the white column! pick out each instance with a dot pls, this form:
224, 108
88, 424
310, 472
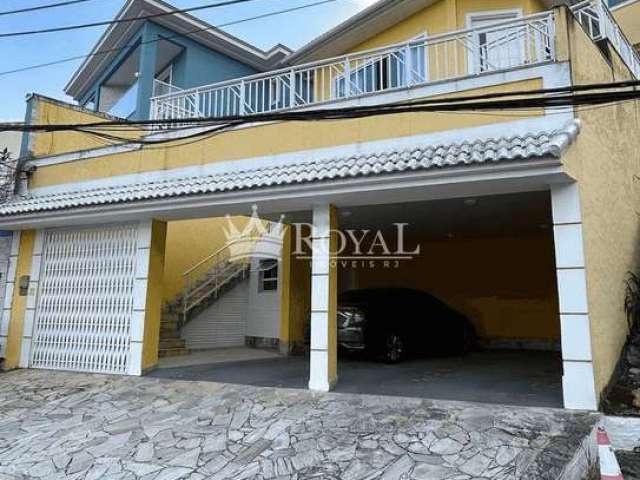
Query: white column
32, 295
8, 293
322, 368
578, 383
140, 285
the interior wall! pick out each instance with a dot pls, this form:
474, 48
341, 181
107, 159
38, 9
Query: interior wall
188, 242
505, 284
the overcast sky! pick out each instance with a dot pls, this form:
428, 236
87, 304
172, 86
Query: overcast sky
294, 30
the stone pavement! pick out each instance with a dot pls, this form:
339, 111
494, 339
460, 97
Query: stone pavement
66, 425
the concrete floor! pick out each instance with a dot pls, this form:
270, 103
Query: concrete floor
218, 355
501, 377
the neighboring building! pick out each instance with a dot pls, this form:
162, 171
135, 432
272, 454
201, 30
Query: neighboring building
159, 56
527, 220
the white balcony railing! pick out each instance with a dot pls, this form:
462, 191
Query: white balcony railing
598, 21
526, 41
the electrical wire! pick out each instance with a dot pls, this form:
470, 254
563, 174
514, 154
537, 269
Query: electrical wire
538, 98
42, 7
122, 20
189, 33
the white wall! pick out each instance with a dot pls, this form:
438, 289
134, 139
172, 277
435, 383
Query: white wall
263, 312
223, 324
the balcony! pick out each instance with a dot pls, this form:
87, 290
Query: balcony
497, 47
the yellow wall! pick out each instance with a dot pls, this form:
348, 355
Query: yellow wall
441, 17
629, 19
19, 303
153, 306
295, 297
605, 162
188, 242
273, 139
505, 284
51, 112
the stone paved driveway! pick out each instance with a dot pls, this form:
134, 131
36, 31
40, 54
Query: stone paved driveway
61, 425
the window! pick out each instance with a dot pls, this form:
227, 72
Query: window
495, 49
405, 66
268, 275
91, 103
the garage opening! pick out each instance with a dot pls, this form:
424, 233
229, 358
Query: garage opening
488, 258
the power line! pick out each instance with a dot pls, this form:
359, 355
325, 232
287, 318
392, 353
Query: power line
191, 32
122, 20
544, 97
615, 93
42, 7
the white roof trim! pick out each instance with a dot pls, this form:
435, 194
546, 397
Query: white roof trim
233, 177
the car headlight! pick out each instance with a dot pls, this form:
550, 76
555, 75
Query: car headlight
350, 318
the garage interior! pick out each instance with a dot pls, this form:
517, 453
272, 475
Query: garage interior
490, 258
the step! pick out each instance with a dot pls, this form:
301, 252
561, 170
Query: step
173, 352
172, 343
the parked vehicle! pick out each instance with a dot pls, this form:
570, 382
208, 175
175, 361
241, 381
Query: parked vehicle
396, 323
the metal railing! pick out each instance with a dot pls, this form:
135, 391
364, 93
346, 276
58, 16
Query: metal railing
207, 277
599, 23
504, 45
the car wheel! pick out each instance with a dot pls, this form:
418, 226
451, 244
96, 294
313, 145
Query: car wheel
394, 348
469, 341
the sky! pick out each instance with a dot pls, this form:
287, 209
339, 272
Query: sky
292, 29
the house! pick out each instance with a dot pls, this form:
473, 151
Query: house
526, 221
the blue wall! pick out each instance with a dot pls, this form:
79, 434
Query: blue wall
195, 66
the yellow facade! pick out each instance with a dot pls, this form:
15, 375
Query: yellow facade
628, 17
603, 160
19, 302
605, 163
46, 111
274, 139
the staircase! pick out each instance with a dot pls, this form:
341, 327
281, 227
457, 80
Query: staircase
211, 278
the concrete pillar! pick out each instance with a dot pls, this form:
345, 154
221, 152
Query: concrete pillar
20, 306
578, 382
323, 368
146, 71
147, 301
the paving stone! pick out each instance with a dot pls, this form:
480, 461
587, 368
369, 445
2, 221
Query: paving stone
144, 453
59, 425
187, 459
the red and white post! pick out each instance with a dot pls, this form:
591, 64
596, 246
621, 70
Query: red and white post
609, 468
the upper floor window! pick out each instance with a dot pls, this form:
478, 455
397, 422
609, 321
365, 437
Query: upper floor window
400, 67
495, 49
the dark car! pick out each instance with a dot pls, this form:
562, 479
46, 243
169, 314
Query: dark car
397, 323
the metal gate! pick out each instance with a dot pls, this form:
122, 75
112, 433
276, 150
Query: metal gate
85, 300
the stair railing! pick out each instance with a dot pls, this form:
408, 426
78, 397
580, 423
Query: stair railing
206, 278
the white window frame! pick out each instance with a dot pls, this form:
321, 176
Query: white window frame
337, 78
473, 67
262, 280
166, 75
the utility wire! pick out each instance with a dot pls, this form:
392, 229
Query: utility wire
122, 20
42, 7
189, 33
544, 97
201, 128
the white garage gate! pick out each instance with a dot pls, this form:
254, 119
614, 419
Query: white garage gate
85, 300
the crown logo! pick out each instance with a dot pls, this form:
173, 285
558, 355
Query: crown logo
259, 238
